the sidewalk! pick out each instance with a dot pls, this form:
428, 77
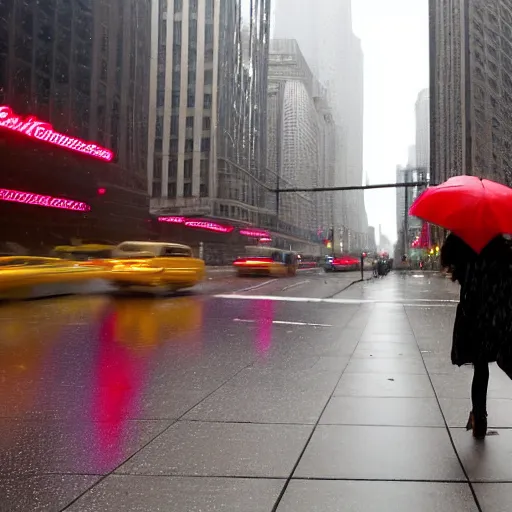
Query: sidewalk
289, 406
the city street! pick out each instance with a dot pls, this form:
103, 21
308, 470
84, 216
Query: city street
250, 395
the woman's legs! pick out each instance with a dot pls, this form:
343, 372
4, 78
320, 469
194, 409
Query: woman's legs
479, 388
478, 417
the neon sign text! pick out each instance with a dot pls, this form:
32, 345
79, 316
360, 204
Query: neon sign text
40, 130
16, 196
172, 220
255, 233
210, 226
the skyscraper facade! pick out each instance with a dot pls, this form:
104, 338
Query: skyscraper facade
323, 30
80, 67
207, 130
422, 147
300, 140
471, 89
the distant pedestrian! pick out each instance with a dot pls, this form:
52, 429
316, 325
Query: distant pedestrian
482, 332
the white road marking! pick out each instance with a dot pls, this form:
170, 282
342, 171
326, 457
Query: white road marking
418, 302
300, 283
281, 322
252, 287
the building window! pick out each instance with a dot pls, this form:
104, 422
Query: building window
209, 9
173, 169
189, 146
177, 33
171, 190
190, 122
175, 99
208, 76
193, 5
207, 123
159, 131
157, 189
187, 190
208, 34
203, 190
192, 34
205, 144
207, 101
160, 98
178, 5
176, 77
157, 168
191, 77
191, 99
173, 146
158, 145
187, 170
175, 125
204, 166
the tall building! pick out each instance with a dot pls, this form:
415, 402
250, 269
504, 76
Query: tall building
81, 68
405, 196
323, 30
471, 89
207, 127
422, 111
300, 140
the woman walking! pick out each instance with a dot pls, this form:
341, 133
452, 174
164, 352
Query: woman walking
482, 332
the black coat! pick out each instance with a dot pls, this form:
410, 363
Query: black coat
483, 323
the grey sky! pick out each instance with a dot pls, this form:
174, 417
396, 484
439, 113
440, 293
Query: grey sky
394, 36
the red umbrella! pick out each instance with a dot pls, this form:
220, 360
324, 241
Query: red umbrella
476, 210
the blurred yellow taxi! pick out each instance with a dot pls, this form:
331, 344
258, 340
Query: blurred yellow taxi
154, 264
27, 271
269, 261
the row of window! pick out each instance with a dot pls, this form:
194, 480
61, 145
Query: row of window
171, 190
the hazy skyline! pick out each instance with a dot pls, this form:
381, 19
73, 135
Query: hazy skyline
394, 37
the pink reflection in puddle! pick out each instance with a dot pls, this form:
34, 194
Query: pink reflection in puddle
121, 376
264, 325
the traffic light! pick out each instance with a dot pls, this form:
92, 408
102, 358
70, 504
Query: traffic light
102, 191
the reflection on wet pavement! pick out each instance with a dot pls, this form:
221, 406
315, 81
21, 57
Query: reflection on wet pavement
209, 403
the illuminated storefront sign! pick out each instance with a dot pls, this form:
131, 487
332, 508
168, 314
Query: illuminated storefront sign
16, 196
210, 226
197, 223
255, 233
172, 220
43, 131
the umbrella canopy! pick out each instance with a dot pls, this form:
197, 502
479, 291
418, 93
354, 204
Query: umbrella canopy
474, 209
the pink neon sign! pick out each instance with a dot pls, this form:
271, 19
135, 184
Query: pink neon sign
16, 196
172, 220
255, 233
40, 130
210, 226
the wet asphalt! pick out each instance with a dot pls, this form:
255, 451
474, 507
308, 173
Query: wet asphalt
298, 394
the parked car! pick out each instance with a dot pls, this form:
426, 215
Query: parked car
342, 263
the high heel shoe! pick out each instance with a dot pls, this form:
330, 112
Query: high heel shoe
477, 423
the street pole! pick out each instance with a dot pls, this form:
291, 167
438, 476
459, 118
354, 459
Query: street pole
406, 216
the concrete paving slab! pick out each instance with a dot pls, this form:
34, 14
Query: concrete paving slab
42, 492
384, 385
94, 448
148, 494
456, 412
353, 496
386, 366
221, 449
487, 460
380, 453
406, 412
494, 497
